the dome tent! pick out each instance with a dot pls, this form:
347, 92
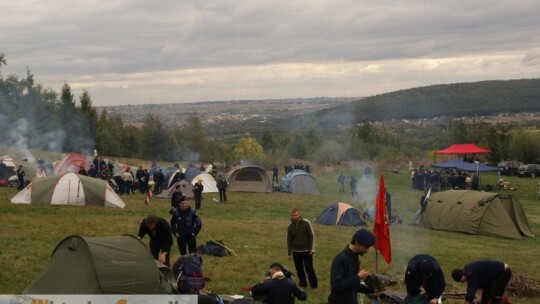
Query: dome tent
185, 186
299, 182
340, 214
474, 212
69, 189
248, 178
100, 265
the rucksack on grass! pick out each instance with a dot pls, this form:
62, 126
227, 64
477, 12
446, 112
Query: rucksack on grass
189, 275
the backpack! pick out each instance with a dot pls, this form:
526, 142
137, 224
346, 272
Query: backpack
188, 272
214, 248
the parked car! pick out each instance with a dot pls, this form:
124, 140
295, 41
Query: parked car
531, 170
509, 167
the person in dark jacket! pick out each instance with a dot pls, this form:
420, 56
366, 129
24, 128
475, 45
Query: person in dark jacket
197, 193
301, 248
159, 179
222, 185
486, 280
92, 172
424, 271
346, 276
277, 289
176, 197
159, 231
20, 177
185, 225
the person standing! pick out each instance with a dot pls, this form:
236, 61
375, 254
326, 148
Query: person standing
104, 173
341, 182
346, 275
354, 187
275, 171
301, 248
424, 271
159, 231
127, 178
388, 200
20, 176
185, 225
139, 179
486, 280
197, 193
159, 179
277, 289
176, 197
93, 172
222, 185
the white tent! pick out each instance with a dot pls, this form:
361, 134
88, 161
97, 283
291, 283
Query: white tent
208, 181
69, 189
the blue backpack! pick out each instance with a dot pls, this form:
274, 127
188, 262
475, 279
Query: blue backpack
188, 272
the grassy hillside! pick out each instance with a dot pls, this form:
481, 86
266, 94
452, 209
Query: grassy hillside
451, 100
254, 225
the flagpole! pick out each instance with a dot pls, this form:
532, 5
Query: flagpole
376, 261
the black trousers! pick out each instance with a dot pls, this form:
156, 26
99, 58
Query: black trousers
189, 240
154, 249
222, 195
198, 200
304, 261
495, 289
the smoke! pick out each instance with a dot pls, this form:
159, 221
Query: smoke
367, 186
18, 139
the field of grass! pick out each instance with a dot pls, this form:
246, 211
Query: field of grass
254, 226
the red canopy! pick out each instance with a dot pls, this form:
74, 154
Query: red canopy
463, 149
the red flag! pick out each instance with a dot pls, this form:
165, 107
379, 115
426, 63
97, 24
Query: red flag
380, 228
148, 198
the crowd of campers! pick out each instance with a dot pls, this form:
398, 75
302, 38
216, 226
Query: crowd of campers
442, 180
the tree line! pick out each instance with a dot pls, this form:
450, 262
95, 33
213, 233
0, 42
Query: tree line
35, 117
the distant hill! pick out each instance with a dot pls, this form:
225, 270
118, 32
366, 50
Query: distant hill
482, 98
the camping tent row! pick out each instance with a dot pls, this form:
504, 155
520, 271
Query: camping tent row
247, 178
69, 189
474, 212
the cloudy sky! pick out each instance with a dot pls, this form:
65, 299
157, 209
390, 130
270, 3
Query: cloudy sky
169, 51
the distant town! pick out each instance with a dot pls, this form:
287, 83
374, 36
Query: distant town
219, 111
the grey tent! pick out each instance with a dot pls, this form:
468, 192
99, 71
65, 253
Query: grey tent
299, 182
100, 265
474, 212
248, 178
185, 186
340, 214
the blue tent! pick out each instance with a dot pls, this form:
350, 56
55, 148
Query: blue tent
340, 214
464, 166
191, 173
299, 182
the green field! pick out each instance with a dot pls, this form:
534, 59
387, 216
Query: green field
254, 226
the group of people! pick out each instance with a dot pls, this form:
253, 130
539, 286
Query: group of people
442, 180
486, 279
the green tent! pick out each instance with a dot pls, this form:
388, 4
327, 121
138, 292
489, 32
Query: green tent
69, 189
100, 265
474, 212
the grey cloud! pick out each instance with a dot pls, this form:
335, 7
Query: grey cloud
68, 41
